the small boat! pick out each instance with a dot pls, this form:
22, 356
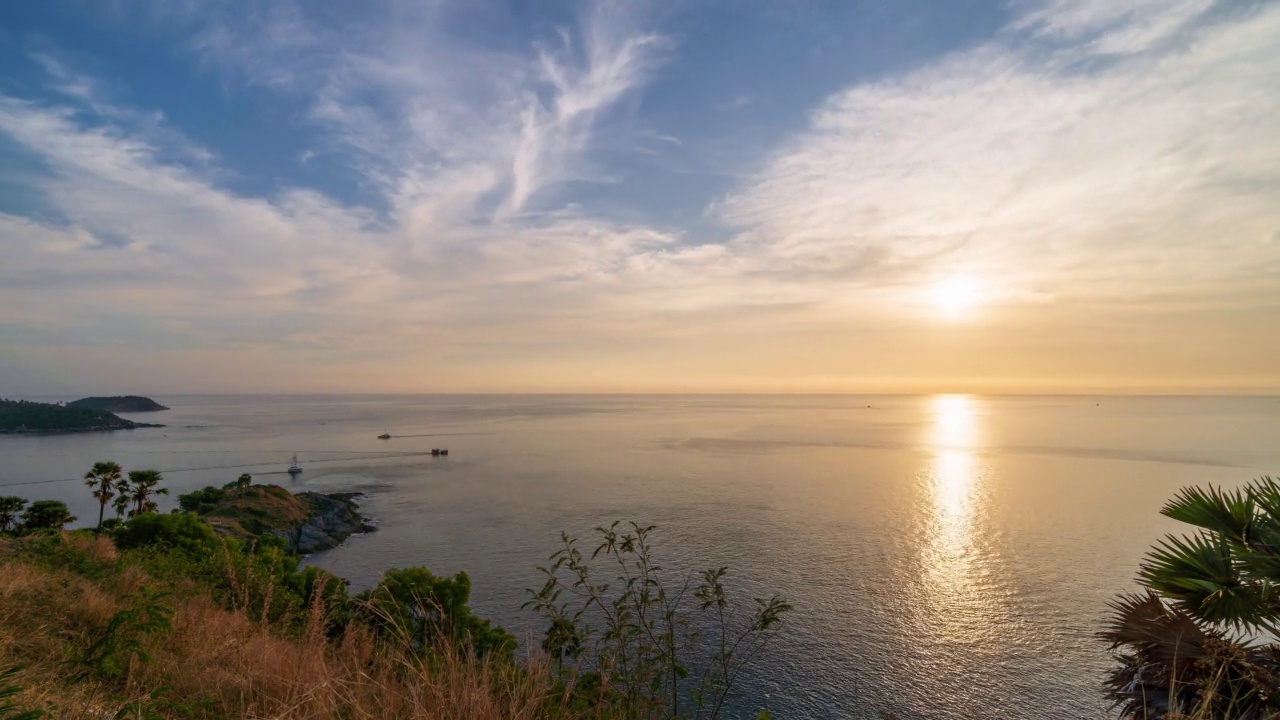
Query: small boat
384, 436
294, 467
435, 452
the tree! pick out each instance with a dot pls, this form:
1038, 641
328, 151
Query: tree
122, 502
142, 485
418, 607
1201, 638
46, 514
10, 507
243, 483
102, 479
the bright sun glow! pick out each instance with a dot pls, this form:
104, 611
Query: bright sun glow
955, 297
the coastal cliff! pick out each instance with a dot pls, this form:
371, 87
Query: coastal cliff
308, 522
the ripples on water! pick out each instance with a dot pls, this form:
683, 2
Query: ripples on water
947, 556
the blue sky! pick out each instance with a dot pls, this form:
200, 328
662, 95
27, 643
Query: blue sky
299, 196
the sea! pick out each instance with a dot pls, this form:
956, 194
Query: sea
947, 556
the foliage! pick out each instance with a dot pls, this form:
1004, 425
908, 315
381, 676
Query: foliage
1188, 644
201, 501
21, 415
102, 479
9, 708
10, 510
116, 645
419, 607
183, 532
58, 552
637, 645
142, 485
46, 515
243, 482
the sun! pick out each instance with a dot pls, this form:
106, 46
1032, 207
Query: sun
956, 297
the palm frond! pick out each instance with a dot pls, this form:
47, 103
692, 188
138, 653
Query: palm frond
1201, 574
1229, 513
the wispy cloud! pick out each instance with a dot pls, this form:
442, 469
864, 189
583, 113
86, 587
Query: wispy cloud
1045, 171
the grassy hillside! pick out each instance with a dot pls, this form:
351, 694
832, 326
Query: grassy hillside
255, 510
103, 633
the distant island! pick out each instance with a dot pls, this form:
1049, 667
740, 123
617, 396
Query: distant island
118, 403
22, 416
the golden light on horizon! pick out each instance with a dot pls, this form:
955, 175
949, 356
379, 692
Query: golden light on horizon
955, 298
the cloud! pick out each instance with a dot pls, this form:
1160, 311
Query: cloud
1092, 161
1045, 171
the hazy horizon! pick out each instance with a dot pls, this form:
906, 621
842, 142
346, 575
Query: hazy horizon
990, 196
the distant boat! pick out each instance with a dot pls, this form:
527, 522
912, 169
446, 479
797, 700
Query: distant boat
294, 467
384, 436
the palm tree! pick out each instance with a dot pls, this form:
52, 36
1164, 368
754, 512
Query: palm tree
10, 507
142, 485
122, 500
1200, 638
102, 479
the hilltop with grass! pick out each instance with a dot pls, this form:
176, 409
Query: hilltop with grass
22, 416
307, 522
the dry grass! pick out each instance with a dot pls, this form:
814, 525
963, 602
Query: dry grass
221, 664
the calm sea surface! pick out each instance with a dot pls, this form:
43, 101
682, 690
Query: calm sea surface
947, 556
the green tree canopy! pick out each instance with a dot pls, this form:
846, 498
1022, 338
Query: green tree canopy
10, 508
102, 480
143, 484
419, 606
46, 515
182, 531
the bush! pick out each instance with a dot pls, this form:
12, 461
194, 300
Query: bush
46, 515
418, 607
634, 643
182, 532
201, 501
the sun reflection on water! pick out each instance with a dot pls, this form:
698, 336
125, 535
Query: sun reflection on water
953, 441
961, 606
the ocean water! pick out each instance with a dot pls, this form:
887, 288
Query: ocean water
947, 556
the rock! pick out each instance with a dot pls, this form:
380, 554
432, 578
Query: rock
334, 518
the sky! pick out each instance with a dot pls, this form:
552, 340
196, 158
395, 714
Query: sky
664, 196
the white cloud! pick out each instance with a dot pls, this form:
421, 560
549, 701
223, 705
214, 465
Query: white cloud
1044, 171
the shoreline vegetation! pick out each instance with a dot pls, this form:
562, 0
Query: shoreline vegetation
208, 612
18, 417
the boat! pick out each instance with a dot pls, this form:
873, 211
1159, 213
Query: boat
294, 467
384, 436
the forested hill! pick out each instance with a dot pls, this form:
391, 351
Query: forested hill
118, 403
17, 416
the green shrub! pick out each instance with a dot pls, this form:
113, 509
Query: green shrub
201, 501
183, 532
418, 607
46, 515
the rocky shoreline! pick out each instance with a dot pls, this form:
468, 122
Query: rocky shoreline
334, 517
